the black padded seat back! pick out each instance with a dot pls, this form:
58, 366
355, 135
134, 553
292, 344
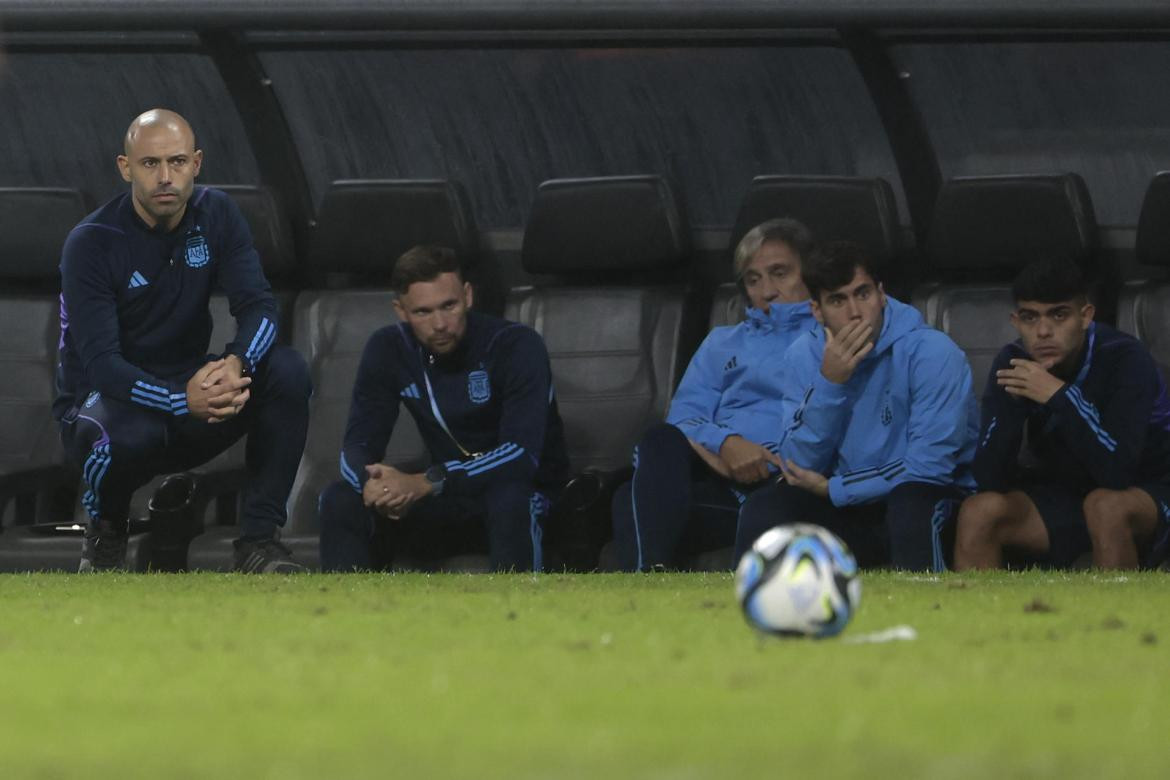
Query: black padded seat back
364, 225
727, 306
985, 230
1144, 306
34, 222
613, 344
271, 230
1145, 313
850, 208
975, 317
332, 328
614, 356
28, 354
606, 224
33, 225
986, 223
1152, 245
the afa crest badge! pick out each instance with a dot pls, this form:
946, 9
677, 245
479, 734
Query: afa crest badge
198, 253
479, 390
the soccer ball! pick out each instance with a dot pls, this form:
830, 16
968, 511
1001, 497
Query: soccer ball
798, 580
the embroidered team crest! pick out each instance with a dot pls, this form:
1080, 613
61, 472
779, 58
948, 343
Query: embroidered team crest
479, 390
92, 399
198, 253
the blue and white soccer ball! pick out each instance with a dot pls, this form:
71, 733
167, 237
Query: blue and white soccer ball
798, 580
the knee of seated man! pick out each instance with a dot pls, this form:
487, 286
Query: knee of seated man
1109, 511
340, 505
662, 435
985, 514
288, 371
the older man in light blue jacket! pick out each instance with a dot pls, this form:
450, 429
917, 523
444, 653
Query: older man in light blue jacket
720, 438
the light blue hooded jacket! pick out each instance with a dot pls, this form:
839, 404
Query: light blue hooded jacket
730, 386
908, 413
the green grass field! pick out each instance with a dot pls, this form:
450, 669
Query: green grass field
1012, 675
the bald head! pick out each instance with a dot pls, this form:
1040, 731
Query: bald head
157, 118
161, 163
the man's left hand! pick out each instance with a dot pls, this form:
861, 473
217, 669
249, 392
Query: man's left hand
399, 490
806, 479
225, 378
1028, 379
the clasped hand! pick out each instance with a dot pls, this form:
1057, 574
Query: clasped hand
746, 461
390, 492
218, 390
807, 479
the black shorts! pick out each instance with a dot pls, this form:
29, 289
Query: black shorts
1062, 511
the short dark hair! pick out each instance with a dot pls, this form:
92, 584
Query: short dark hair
833, 264
1050, 280
784, 229
423, 264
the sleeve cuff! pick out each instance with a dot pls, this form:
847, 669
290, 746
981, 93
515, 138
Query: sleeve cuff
1058, 398
248, 366
837, 495
824, 387
178, 398
711, 437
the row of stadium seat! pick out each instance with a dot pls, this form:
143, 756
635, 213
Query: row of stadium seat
610, 302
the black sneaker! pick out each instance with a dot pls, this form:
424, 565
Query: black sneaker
104, 548
266, 557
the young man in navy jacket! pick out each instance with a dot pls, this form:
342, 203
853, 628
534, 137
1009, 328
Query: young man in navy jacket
719, 440
879, 422
1074, 454
138, 395
480, 390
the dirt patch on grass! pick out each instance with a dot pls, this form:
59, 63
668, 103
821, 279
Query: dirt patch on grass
1038, 604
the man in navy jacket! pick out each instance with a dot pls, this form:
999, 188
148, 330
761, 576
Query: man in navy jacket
1074, 453
138, 395
719, 441
480, 390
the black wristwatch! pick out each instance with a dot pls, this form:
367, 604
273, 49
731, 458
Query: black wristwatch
437, 476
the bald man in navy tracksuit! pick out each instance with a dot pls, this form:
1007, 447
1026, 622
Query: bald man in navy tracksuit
138, 393
480, 390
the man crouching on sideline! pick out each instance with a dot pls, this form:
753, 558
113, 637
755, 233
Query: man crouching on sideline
1074, 451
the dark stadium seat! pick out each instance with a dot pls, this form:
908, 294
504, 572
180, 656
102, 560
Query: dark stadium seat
362, 227
33, 227
984, 230
862, 210
851, 208
1144, 308
613, 345
612, 318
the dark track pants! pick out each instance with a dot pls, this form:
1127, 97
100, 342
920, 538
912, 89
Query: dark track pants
674, 506
507, 521
121, 445
912, 529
